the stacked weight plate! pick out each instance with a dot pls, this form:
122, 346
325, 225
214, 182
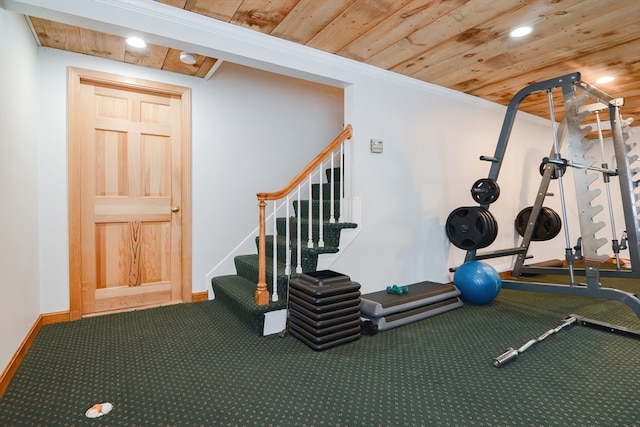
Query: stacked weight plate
547, 226
424, 299
471, 227
324, 309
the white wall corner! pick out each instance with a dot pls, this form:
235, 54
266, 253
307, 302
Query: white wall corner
356, 210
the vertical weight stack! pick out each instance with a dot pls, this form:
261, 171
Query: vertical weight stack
324, 309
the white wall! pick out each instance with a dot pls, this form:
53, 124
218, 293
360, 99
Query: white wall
19, 275
252, 131
432, 142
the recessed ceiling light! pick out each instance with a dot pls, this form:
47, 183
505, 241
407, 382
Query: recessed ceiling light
520, 31
136, 42
188, 58
604, 79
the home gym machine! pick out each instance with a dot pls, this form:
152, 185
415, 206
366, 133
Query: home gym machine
472, 228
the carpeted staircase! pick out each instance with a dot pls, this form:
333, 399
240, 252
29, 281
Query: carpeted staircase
238, 291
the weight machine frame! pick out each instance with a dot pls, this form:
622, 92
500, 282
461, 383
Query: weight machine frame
569, 84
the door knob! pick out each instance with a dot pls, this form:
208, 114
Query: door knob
175, 209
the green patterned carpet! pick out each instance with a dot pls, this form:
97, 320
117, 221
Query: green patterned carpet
185, 365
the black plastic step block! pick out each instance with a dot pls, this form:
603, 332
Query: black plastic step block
319, 343
319, 297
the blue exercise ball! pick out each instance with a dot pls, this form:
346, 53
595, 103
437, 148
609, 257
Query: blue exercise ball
478, 282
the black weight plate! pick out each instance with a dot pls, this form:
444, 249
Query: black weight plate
555, 223
546, 227
484, 226
491, 228
558, 221
554, 174
495, 228
522, 219
467, 227
461, 228
494, 224
485, 191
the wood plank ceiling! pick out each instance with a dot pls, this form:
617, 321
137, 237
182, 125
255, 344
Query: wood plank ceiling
459, 44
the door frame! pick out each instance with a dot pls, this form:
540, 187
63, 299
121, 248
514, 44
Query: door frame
75, 77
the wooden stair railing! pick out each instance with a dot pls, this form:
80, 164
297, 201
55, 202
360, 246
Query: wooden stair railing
262, 296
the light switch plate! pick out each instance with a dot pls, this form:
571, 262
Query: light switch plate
376, 146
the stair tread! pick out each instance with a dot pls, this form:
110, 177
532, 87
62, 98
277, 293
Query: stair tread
252, 260
238, 294
243, 290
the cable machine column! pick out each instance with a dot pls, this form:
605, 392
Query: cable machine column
568, 252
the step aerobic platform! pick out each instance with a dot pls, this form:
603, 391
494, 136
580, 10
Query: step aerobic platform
423, 300
324, 283
402, 318
323, 300
318, 344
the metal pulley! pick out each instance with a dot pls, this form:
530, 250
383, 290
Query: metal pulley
546, 227
485, 191
471, 227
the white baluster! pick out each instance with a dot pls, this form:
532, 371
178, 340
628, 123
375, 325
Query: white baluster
320, 211
332, 197
309, 215
274, 282
298, 237
287, 234
341, 218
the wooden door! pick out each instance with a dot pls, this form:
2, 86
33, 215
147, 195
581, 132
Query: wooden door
129, 154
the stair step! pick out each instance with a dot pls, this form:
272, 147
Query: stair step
336, 174
309, 255
247, 267
330, 231
281, 242
326, 191
238, 293
303, 205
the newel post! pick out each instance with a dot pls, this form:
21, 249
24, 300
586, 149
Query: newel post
262, 294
